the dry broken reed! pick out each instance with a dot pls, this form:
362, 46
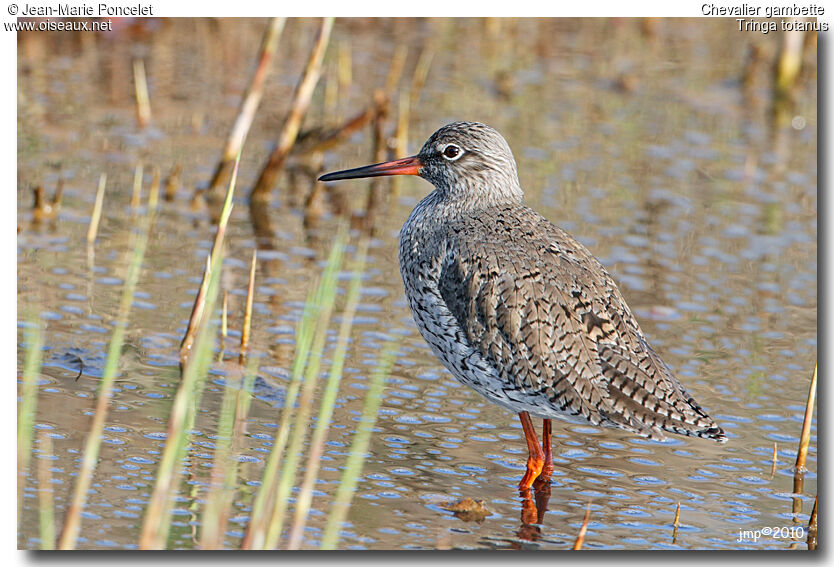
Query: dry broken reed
44, 209
345, 66
143, 101
248, 104
395, 71
92, 231
298, 108
224, 325
580, 539
805, 437
197, 311
247, 316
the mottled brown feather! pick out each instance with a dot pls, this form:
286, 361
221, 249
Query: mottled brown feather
549, 317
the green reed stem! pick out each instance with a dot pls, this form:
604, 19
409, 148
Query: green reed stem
358, 449
263, 506
136, 195
196, 362
244, 400
72, 523
46, 502
218, 500
305, 496
29, 395
326, 301
264, 500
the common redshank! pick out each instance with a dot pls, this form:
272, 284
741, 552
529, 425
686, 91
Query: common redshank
520, 311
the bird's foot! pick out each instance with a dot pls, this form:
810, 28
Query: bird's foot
546, 473
534, 468
542, 482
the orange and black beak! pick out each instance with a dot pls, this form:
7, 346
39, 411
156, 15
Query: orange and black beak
406, 166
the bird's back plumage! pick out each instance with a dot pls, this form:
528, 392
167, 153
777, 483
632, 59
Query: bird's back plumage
542, 313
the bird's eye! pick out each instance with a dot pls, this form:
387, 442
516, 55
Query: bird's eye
452, 152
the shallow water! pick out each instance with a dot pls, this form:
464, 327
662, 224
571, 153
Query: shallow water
639, 139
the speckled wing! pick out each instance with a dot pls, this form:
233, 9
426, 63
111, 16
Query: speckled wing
548, 317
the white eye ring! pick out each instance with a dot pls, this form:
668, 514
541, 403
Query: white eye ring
452, 152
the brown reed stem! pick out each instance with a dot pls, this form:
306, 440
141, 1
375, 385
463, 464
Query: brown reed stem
775, 460
212, 260
196, 315
395, 71
248, 104
580, 539
375, 192
812, 527
421, 71
143, 101
401, 137
805, 438
247, 317
309, 142
301, 101
96, 216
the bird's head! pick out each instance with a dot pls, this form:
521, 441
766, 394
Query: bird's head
466, 161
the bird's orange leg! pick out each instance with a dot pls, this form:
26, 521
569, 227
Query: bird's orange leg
547, 443
535, 462
547, 468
